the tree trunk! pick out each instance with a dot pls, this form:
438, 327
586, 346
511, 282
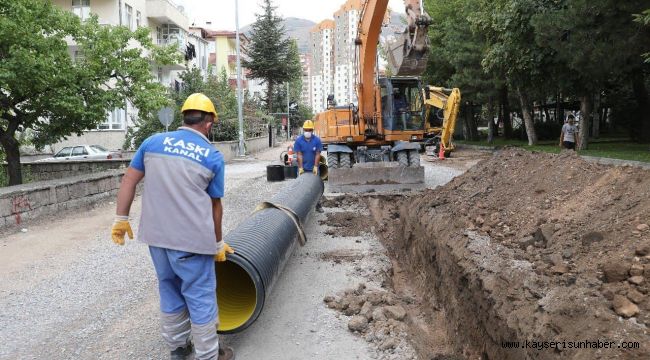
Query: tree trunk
269, 96
473, 124
528, 118
11, 147
490, 115
505, 112
595, 127
586, 104
559, 117
641, 95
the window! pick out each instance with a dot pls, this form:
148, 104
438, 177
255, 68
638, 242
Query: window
79, 56
65, 152
79, 151
138, 19
114, 120
81, 8
170, 34
128, 16
98, 148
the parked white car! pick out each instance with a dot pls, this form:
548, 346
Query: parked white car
83, 152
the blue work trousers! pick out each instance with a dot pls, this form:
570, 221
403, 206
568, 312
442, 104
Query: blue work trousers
186, 281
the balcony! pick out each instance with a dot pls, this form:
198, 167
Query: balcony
166, 12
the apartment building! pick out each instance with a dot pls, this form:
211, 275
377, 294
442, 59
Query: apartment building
346, 20
198, 48
322, 69
305, 63
168, 25
333, 47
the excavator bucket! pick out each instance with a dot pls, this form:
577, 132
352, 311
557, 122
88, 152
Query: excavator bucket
405, 63
375, 177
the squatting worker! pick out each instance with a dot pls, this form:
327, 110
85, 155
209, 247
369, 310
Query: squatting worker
569, 135
181, 223
308, 147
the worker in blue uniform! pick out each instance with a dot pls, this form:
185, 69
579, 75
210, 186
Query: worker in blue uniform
181, 223
308, 147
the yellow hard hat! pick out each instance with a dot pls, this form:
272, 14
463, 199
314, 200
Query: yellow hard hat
199, 101
309, 125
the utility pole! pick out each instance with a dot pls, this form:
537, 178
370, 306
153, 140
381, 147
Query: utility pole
240, 116
288, 115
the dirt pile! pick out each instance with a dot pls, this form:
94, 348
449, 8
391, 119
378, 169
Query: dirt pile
378, 316
531, 247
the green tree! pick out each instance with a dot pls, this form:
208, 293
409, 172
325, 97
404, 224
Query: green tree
42, 88
512, 51
595, 44
215, 87
271, 53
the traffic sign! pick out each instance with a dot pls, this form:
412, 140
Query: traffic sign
166, 116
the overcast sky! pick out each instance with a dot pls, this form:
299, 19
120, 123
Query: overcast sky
222, 12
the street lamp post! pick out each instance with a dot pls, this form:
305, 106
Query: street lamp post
288, 115
240, 116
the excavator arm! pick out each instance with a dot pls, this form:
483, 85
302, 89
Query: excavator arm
407, 56
448, 100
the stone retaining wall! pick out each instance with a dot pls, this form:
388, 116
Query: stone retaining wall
58, 170
27, 202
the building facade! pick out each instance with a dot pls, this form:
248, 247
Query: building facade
168, 25
305, 63
334, 56
346, 20
322, 65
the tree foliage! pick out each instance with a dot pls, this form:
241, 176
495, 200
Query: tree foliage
44, 89
271, 54
545, 51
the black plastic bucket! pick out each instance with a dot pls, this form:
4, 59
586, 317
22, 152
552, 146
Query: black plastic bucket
290, 172
275, 173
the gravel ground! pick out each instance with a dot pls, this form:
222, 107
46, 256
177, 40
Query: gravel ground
69, 293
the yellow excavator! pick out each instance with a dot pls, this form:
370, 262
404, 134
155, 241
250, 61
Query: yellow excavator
378, 141
442, 106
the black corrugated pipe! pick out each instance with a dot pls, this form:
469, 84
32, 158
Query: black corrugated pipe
263, 242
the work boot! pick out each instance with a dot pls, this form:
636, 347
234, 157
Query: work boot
181, 353
226, 353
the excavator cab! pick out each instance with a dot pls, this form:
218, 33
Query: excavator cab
401, 104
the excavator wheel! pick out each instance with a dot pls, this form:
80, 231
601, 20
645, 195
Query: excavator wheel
345, 161
414, 158
332, 160
403, 158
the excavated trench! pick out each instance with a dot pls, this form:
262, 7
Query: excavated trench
526, 256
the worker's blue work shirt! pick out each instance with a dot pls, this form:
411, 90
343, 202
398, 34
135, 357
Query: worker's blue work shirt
183, 173
309, 149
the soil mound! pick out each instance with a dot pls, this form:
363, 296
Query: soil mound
532, 247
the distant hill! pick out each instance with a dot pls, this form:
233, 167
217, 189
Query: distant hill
299, 29
296, 28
